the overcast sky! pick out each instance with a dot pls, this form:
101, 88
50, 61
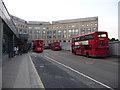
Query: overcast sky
52, 10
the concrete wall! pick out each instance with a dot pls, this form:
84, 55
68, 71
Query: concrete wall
66, 45
114, 47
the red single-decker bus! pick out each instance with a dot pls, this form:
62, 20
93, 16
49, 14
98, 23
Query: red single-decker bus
94, 44
55, 46
38, 45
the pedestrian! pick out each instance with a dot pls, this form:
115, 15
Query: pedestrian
20, 50
14, 49
17, 50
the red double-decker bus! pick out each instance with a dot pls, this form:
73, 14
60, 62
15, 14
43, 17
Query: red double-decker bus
55, 46
38, 45
94, 44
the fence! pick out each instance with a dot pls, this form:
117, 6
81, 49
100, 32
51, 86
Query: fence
66, 45
114, 48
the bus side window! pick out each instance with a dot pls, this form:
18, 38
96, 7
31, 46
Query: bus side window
91, 37
78, 39
78, 47
88, 47
72, 40
82, 38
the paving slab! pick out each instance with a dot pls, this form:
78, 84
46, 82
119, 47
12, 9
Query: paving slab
19, 72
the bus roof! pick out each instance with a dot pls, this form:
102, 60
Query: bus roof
38, 40
90, 34
56, 42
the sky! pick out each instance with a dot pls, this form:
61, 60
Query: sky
53, 10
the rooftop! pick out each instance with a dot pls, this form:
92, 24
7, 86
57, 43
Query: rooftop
75, 20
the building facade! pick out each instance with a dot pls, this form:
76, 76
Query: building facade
61, 31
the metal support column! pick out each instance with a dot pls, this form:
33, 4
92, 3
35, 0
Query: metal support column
1, 36
13, 44
10, 46
119, 28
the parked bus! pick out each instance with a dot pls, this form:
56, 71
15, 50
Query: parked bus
55, 46
38, 45
94, 44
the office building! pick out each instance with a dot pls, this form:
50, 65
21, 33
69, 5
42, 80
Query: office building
62, 30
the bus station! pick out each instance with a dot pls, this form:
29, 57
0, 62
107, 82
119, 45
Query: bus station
25, 62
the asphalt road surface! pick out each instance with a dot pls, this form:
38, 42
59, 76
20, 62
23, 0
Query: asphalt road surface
62, 69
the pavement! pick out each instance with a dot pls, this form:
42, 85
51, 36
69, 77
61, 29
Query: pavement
19, 72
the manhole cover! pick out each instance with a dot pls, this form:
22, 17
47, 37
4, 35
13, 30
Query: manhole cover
90, 62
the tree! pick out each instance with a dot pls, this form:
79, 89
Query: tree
113, 39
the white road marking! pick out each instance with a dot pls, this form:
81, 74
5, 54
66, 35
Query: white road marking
80, 73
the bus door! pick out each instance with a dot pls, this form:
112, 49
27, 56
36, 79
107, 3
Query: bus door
101, 43
102, 48
82, 49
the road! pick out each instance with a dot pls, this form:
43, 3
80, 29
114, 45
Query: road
62, 69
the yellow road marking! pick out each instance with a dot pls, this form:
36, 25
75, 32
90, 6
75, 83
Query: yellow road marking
37, 74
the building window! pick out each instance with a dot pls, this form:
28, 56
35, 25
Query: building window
64, 40
54, 34
82, 31
76, 32
83, 25
94, 29
44, 27
70, 31
30, 31
96, 24
30, 27
64, 26
39, 31
20, 31
88, 30
64, 36
65, 33
74, 26
54, 31
49, 34
24, 31
36, 27
59, 33
43, 31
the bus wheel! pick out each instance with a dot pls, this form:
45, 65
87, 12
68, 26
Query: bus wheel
72, 51
75, 52
87, 55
